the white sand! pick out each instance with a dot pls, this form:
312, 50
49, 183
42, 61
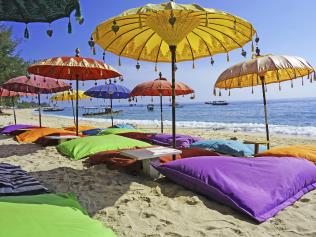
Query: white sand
136, 206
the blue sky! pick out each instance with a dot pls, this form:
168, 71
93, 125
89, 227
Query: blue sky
285, 27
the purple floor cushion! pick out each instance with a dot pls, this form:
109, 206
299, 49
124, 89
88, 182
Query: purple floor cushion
258, 187
11, 128
182, 141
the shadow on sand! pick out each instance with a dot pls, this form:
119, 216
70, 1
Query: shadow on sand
8, 150
98, 187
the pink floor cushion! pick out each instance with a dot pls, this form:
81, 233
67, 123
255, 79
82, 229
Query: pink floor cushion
258, 187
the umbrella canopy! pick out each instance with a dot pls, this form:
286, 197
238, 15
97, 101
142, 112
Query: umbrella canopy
12, 94
160, 87
262, 71
36, 84
109, 91
74, 68
170, 32
69, 95
28, 11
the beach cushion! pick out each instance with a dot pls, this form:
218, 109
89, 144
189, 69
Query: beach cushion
300, 151
80, 128
145, 137
49, 215
82, 147
117, 131
35, 134
15, 181
227, 147
92, 132
127, 126
182, 141
258, 187
12, 128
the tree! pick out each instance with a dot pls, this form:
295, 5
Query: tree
11, 64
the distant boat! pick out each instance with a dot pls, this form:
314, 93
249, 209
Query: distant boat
217, 102
150, 107
93, 111
177, 105
52, 109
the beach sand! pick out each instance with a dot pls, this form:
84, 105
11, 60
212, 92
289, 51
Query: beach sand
137, 206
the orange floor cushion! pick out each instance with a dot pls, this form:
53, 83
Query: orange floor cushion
35, 134
80, 128
307, 152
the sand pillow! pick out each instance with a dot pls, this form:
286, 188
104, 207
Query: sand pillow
82, 147
47, 215
258, 187
307, 152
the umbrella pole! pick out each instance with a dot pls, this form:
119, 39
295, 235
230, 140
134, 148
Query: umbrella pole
73, 110
13, 107
111, 101
161, 118
39, 109
265, 110
77, 105
173, 70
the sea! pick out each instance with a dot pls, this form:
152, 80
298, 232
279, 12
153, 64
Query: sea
286, 117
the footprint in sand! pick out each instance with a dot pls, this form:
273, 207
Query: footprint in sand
192, 201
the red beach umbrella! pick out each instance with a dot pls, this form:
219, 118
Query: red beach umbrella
37, 85
74, 68
12, 94
160, 87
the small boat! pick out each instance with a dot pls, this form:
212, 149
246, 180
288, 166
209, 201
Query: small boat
217, 102
93, 111
150, 107
177, 105
52, 109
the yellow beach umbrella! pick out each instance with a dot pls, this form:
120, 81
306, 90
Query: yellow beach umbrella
70, 95
262, 71
170, 32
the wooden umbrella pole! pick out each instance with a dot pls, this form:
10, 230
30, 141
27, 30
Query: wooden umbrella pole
39, 109
73, 110
265, 110
77, 105
111, 101
173, 69
13, 107
161, 116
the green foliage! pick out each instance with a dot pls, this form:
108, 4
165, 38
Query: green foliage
25, 105
11, 64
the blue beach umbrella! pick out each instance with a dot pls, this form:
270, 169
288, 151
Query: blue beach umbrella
109, 91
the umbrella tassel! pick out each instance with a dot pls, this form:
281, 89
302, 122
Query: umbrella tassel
26, 32
220, 93
229, 92
69, 26
292, 84
152, 99
302, 81
119, 61
279, 86
252, 47
311, 79
193, 65
49, 32
252, 90
82, 83
266, 88
212, 61
103, 56
156, 68
94, 51
214, 91
227, 57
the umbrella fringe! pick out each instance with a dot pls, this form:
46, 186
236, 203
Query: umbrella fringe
26, 32
69, 26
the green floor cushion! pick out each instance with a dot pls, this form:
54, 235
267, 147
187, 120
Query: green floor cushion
82, 147
117, 131
48, 215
